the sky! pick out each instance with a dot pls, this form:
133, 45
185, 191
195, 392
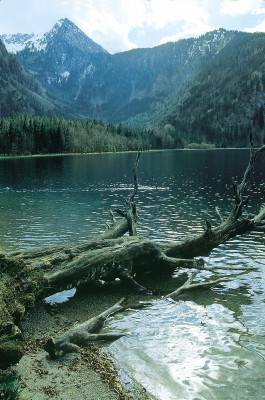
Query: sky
120, 25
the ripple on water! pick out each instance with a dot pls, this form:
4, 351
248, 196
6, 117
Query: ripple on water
179, 349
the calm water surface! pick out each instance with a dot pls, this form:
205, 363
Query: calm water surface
210, 344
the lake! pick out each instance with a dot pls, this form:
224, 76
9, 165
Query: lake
211, 343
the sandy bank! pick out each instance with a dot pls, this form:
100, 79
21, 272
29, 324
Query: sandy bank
73, 376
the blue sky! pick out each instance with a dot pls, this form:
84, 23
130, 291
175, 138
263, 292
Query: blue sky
120, 25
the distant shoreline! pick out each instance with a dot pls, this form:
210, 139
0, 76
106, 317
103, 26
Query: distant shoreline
4, 156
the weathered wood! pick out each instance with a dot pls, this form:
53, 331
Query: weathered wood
239, 189
82, 334
187, 286
132, 212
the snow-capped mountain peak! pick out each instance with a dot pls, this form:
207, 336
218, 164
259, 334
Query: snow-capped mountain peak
20, 41
60, 59
63, 29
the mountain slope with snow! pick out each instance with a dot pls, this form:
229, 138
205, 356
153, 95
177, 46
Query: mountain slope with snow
59, 59
95, 84
148, 87
20, 93
20, 41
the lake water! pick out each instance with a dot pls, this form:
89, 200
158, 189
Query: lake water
208, 345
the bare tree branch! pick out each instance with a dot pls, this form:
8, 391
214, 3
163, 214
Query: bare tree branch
82, 334
135, 178
112, 217
218, 214
239, 189
188, 286
260, 217
132, 212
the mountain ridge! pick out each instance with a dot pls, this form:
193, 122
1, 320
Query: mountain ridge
150, 87
114, 87
61, 59
39, 41
19, 91
222, 103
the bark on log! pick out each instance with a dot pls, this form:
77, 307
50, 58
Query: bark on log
82, 334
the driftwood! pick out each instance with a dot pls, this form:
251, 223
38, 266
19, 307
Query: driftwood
83, 334
31, 275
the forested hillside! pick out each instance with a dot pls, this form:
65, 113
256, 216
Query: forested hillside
138, 80
222, 102
19, 91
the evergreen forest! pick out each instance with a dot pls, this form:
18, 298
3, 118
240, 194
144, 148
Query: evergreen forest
24, 135
221, 103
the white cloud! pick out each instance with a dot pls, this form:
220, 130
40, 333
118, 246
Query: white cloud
109, 22
258, 28
187, 33
194, 19
113, 23
240, 7
106, 22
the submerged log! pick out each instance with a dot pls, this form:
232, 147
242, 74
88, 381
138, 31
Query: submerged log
30, 275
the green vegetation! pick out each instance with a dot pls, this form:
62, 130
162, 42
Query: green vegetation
9, 386
222, 102
13, 302
19, 91
11, 352
202, 146
23, 135
129, 83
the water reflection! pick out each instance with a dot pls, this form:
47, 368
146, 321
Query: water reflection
212, 347
185, 351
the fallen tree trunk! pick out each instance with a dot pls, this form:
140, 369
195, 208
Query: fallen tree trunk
81, 335
30, 275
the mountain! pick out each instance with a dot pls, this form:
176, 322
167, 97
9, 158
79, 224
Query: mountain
20, 93
59, 59
209, 89
21, 41
72, 36
222, 103
96, 84
139, 80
